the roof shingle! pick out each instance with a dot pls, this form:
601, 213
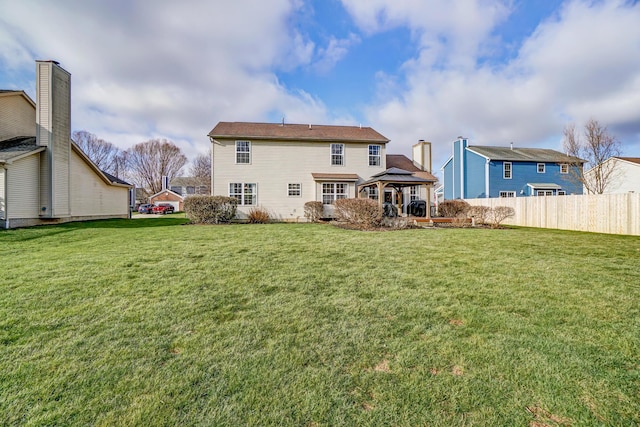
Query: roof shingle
523, 154
17, 147
297, 132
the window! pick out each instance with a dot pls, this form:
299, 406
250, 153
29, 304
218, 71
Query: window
243, 152
561, 193
332, 191
191, 189
244, 193
564, 168
507, 194
337, 154
544, 193
414, 193
374, 155
294, 190
373, 193
541, 167
177, 190
506, 170
202, 189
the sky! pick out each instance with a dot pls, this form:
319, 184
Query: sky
493, 71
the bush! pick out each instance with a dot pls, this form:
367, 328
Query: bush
364, 212
453, 208
210, 209
480, 213
313, 211
258, 215
499, 214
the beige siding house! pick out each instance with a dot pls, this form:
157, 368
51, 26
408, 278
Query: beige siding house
45, 177
624, 175
281, 166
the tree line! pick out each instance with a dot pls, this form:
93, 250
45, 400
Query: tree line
143, 164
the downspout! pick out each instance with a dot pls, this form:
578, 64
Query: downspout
462, 147
5, 191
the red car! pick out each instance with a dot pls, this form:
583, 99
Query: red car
163, 208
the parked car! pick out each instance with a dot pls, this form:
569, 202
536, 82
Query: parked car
163, 208
145, 208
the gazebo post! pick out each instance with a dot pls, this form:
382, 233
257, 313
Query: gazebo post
380, 186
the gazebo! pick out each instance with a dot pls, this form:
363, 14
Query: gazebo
397, 179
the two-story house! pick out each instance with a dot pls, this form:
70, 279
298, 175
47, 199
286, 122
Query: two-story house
475, 171
44, 176
281, 166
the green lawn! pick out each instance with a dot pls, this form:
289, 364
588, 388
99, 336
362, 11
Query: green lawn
152, 322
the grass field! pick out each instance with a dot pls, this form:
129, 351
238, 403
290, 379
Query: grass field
152, 322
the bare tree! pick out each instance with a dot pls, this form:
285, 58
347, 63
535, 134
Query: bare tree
201, 169
104, 154
596, 145
151, 160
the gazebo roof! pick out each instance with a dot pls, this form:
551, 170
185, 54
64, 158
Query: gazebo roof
397, 177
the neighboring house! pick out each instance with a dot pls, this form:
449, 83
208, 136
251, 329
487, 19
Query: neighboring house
168, 196
281, 166
624, 176
480, 172
189, 185
44, 176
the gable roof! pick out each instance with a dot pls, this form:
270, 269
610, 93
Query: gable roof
400, 161
16, 148
630, 159
523, 154
11, 92
296, 132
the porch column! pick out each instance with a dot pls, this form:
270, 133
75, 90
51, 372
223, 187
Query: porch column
428, 213
380, 186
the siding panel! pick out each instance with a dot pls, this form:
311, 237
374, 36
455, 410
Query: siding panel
22, 192
275, 164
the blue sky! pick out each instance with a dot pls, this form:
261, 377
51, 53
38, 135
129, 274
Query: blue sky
495, 71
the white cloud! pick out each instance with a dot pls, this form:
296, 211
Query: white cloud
336, 49
164, 68
584, 62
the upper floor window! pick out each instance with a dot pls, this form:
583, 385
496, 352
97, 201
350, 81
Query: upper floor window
506, 170
337, 154
541, 167
191, 189
507, 194
564, 168
243, 152
374, 155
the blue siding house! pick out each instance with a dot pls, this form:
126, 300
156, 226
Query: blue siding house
475, 171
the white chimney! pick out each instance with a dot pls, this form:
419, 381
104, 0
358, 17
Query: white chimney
422, 155
53, 130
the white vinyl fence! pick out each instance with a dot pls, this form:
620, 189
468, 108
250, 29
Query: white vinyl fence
599, 213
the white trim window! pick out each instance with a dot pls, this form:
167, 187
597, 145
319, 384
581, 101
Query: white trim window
544, 192
243, 152
507, 194
414, 193
562, 193
373, 193
375, 155
332, 191
294, 190
541, 168
245, 193
506, 170
337, 154
564, 168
